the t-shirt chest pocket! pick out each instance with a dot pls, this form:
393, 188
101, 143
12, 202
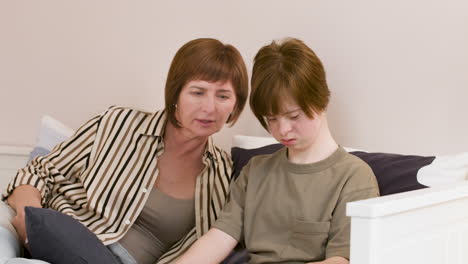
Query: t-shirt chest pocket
307, 240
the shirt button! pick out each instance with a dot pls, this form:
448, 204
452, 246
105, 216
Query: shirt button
144, 190
127, 222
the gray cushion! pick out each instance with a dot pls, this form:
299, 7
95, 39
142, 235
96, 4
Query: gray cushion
58, 238
38, 151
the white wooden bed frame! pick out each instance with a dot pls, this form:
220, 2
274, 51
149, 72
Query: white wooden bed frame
427, 226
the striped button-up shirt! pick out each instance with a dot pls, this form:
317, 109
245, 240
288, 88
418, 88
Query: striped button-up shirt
102, 174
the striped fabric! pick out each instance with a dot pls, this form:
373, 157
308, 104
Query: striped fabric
102, 174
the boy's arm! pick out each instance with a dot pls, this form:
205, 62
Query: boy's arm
212, 247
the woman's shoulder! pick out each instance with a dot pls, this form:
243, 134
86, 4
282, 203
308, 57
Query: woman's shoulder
123, 118
118, 108
119, 113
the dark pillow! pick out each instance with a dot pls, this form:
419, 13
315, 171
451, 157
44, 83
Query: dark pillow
395, 173
58, 238
241, 156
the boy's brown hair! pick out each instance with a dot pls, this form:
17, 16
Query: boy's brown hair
283, 70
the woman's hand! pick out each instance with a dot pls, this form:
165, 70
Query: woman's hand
21, 197
19, 223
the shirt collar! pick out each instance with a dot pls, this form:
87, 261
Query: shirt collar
210, 149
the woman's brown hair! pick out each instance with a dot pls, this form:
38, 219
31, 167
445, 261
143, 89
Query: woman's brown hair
208, 60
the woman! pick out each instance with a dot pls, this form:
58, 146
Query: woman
120, 171
289, 207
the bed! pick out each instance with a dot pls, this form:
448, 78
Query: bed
410, 224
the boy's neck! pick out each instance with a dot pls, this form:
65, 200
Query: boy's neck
323, 147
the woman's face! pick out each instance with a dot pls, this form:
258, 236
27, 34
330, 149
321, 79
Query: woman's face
204, 107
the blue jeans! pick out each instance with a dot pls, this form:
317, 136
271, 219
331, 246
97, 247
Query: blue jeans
121, 253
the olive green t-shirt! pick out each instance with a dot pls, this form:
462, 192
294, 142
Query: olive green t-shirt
296, 213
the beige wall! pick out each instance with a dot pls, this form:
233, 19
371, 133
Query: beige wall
398, 70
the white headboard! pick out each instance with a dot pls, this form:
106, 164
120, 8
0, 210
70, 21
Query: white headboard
11, 159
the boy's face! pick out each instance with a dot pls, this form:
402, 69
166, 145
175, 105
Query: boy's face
293, 128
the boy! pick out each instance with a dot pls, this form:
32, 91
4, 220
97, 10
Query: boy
289, 207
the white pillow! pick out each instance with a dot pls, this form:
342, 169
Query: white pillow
445, 170
251, 142
52, 132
